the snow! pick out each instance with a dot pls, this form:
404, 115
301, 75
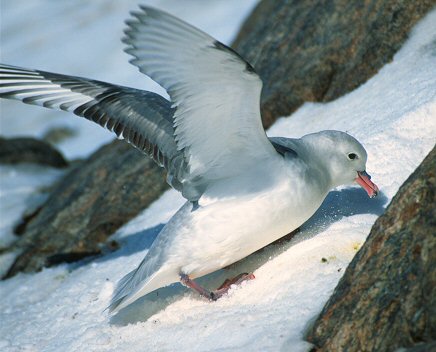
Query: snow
62, 308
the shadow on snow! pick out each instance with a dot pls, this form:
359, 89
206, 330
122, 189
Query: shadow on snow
338, 204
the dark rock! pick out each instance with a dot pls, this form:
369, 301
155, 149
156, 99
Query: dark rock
421, 347
88, 205
20, 228
387, 297
29, 150
59, 134
320, 50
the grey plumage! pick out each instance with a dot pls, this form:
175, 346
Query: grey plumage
144, 119
208, 95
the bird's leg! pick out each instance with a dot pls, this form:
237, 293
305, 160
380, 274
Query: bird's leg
188, 282
236, 280
220, 291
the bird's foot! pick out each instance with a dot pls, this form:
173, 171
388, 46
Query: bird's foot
220, 291
236, 280
225, 286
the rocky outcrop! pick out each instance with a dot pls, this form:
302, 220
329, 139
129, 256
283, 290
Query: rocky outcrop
387, 297
29, 150
87, 206
320, 50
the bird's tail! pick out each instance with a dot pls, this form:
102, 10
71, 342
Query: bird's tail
121, 291
149, 276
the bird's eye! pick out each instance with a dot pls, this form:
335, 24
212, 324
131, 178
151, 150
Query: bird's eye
352, 156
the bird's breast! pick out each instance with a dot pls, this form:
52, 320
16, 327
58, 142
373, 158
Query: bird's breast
227, 230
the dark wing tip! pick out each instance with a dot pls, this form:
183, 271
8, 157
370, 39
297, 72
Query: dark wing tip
220, 46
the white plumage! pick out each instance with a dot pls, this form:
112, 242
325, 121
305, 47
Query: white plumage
241, 214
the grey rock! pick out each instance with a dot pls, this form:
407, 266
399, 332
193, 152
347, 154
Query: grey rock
88, 205
387, 297
320, 50
56, 135
420, 347
29, 150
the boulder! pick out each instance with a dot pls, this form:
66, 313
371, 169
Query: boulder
386, 299
30, 150
91, 202
320, 50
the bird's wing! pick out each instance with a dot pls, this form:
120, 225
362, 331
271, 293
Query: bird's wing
286, 147
216, 94
144, 119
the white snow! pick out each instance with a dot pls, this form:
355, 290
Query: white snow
61, 308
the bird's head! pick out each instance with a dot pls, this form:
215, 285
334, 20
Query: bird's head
343, 157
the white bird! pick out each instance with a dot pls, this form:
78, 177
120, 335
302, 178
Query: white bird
243, 189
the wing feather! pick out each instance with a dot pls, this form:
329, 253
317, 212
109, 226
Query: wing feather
216, 94
144, 119
211, 131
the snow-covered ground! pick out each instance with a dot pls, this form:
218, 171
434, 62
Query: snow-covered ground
393, 115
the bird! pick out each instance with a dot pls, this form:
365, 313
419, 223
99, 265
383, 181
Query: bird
243, 189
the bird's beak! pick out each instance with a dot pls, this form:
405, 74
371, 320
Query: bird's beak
364, 180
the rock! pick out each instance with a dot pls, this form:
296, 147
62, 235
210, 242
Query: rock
318, 51
88, 205
420, 347
387, 297
29, 150
57, 135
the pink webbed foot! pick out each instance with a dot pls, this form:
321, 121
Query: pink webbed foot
220, 291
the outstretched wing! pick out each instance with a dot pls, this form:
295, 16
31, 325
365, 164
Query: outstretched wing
216, 94
144, 119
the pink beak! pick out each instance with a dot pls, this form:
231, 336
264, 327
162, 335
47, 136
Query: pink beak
364, 180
